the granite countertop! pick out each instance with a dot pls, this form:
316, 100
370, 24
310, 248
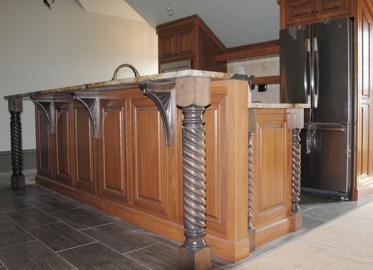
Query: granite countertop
130, 82
278, 106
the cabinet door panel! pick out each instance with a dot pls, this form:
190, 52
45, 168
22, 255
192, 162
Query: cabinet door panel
84, 149
114, 149
300, 11
333, 8
44, 145
63, 143
271, 168
184, 42
216, 129
167, 45
149, 157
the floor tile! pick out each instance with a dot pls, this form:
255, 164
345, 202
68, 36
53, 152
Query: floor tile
98, 257
157, 257
32, 256
30, 217
59, 236
11, 203
119, 238
159, 238
11, 234
81, 218
52, 204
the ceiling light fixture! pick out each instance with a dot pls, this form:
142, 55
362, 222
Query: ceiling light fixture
48, 3
170, 10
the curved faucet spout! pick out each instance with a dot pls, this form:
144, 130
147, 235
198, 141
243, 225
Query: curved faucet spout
115, 76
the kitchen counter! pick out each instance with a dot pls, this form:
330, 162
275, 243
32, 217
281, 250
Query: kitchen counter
128, 83
258, 105
167, 152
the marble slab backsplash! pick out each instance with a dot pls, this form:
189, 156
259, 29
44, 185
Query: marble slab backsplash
269, 66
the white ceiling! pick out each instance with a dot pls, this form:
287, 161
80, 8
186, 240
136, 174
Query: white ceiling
116, 8
235, 22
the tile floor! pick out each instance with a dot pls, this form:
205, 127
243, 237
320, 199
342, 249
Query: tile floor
40, 229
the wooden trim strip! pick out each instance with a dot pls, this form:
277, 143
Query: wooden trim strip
267, 48
267, 80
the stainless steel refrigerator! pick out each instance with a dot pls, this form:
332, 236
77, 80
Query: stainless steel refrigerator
317, 68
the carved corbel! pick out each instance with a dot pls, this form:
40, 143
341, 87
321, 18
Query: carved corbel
92, 104
48, 108
163, 96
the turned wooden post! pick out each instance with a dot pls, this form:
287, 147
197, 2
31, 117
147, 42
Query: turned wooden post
295, 122
192, 96
250, 203
15, 107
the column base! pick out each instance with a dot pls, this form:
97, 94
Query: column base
297, 220
199, 259
18, 182
251, 236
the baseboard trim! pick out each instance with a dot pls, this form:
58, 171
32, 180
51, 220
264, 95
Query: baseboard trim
29, 160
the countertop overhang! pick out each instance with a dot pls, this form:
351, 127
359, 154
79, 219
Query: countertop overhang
278, 106
130, 83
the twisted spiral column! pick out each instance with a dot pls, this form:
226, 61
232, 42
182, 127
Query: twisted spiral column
296, 169
194, 171
15, 110
250, 181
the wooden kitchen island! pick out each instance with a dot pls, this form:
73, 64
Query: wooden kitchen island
177, 153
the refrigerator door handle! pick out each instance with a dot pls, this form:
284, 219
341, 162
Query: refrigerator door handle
315, 73
307, 69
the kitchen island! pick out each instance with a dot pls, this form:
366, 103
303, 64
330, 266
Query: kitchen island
173, 153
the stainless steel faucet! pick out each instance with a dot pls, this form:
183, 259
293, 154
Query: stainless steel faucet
115, 76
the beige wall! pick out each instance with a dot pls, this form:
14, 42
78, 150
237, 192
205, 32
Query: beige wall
41, 49
260, 68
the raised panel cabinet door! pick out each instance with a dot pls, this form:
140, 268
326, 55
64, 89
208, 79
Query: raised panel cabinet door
114, 182
216, 134
299, 11
43, 145
271, 168
167, 46
150, 161
184, 42
83, 149
63, 147
333, 8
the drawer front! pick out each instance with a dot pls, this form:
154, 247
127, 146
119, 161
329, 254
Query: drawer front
301, 11
333, 8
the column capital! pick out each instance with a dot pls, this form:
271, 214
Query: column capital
15, 105
193, 91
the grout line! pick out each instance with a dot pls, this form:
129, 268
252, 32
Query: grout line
150, 245
99, 242
83, 245
46, 224
58, 211
96, 226
147, 236
15, 210
62, 258
19, 244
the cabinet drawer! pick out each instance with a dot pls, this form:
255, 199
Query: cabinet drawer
333, 8
299, 12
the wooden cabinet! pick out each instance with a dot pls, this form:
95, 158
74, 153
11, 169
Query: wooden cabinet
190, 39
272, 175
295, 12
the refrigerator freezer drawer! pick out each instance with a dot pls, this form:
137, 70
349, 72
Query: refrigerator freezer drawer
327, 166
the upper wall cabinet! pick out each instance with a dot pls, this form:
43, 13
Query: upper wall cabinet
309, 11
190, 39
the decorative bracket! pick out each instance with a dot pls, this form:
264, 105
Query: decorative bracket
48, 108
92, 104
163, 95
